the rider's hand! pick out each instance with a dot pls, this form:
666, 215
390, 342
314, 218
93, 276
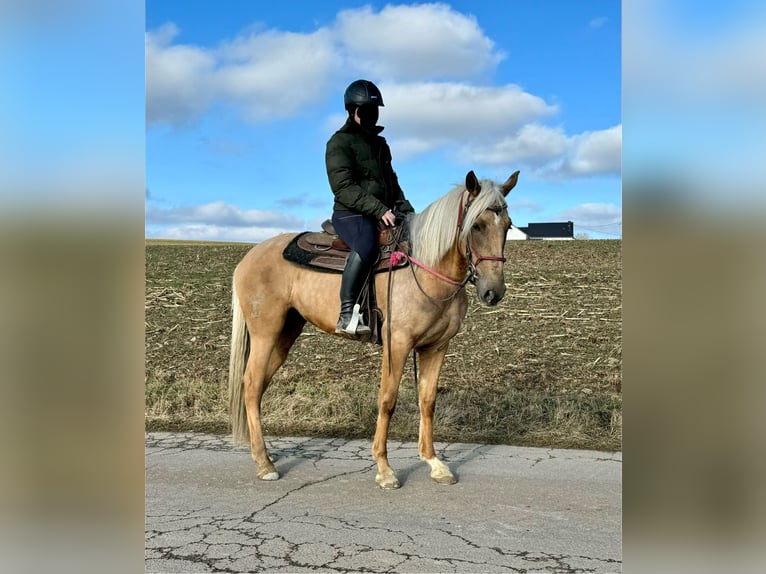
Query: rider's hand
388, 218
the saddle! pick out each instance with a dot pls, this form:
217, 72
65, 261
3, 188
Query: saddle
326, 252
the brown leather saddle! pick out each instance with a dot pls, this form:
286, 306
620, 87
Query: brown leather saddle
325, 251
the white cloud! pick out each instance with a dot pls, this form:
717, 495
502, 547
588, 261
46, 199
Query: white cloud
456, 111
532, 145
550, 154
272, 73
409, 147
219, 213
179, 86
264, 74
599, 22
425, 116
204, 232
422, 117
422, 41
596, 152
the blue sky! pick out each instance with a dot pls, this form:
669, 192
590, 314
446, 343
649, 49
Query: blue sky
241, 98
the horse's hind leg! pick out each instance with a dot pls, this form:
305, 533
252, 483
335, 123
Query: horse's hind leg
430, 366
267, 353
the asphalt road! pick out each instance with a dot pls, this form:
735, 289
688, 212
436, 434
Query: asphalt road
512, 510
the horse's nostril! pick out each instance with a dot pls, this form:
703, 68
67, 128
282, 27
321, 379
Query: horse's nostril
492, 297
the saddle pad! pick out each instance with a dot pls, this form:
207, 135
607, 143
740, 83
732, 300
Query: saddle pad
307, 250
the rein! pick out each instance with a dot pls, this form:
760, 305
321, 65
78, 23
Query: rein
397, 256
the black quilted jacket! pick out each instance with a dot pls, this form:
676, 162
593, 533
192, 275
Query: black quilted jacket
360, 173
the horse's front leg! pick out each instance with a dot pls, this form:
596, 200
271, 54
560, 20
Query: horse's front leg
389, 391
430, 366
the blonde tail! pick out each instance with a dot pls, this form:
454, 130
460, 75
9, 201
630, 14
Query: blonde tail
237, 359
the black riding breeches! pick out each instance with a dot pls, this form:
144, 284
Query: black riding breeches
360, 233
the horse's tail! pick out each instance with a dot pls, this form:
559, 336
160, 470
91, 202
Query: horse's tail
237, 359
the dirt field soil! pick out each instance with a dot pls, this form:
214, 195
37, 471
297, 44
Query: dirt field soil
543, 368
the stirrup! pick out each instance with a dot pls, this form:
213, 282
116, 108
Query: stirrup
355, 329
355, 321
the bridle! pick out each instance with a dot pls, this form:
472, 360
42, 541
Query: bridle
473, 272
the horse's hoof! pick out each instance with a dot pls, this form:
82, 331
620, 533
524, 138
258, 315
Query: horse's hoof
440, 472
388, 482
444, 479
268, 473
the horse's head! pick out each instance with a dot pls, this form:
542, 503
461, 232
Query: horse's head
487, 223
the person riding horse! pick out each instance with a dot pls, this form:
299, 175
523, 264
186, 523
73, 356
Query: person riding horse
366, 191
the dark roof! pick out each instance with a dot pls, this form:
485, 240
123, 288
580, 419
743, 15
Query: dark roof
558, 229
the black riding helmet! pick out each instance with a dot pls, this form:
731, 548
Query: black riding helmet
362, 92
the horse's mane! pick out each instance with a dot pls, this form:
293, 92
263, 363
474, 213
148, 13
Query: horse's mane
432, 232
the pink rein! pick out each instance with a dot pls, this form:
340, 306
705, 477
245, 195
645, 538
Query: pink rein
397, 257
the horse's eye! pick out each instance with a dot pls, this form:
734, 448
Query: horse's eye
476, 227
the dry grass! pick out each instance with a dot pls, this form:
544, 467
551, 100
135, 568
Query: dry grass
542, 368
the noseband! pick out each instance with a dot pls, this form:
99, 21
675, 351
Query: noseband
473, 272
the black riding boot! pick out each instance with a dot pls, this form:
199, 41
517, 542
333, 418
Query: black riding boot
350, 321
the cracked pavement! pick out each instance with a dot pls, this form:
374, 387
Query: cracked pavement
513, 509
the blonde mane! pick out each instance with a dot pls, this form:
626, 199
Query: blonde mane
433, 231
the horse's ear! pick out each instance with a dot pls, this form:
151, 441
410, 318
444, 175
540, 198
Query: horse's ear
510, 183
472, 184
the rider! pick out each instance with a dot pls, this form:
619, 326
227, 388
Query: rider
366, 192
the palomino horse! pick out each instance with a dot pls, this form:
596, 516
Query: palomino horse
458, 238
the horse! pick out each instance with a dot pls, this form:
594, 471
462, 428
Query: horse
457, 239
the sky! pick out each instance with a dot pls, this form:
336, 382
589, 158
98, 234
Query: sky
241, 98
